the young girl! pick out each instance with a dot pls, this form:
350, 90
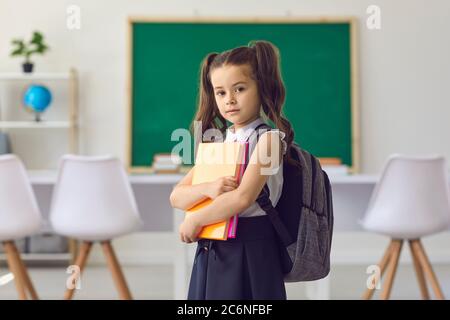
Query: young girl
242, 86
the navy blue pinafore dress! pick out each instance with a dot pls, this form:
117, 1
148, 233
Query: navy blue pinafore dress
245, 268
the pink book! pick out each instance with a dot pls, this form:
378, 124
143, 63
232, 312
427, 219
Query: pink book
234, 220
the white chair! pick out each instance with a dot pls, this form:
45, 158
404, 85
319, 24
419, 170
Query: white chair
19, 217
410, 201
93, 202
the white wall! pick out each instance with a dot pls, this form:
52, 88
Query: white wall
404, 67
404, 76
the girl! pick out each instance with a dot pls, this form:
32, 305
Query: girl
242, 86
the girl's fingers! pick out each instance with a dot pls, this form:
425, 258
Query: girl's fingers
231, 179
231, 183
183, 237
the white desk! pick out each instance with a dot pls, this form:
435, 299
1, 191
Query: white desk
350, 198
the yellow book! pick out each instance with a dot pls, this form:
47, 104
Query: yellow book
215, 160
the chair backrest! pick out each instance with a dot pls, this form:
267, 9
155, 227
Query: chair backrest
412, 197
19, 211
93, 191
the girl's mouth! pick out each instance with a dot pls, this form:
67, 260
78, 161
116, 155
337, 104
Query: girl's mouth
234, 111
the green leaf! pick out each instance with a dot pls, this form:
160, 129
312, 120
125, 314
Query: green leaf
19, 47
37, 37
37, 45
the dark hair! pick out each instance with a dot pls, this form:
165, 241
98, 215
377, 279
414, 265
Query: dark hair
264, 59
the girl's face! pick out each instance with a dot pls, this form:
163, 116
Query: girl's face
236, 94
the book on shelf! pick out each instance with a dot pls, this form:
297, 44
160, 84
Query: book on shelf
166, 162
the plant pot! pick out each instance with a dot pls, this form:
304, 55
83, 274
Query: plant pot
27, 67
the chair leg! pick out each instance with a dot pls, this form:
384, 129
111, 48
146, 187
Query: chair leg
80, 262
425, 263
419, 272
73, 249
14, 267
397, 248
116, 270
27, 280
388, 253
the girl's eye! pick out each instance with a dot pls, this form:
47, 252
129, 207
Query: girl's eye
219, 93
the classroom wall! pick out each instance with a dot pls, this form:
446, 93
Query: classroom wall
404, 68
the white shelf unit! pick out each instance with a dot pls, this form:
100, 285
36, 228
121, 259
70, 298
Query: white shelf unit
35, 125
70, 124
37, 75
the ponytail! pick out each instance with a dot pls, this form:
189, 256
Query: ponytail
271, 89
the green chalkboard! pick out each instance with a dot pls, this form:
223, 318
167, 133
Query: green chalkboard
317, 63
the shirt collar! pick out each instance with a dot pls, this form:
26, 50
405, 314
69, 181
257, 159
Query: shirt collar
243, 133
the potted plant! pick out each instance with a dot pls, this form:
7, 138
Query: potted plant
26, 49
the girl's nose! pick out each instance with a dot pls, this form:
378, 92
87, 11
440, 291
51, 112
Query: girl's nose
231, 100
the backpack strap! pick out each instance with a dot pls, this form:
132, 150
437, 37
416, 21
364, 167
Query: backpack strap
313, 181
262, 125
264, 202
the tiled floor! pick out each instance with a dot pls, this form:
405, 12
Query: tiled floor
155, 282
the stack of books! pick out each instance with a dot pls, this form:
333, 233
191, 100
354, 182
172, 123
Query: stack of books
333, 170
213, 161
166, 163
334, 166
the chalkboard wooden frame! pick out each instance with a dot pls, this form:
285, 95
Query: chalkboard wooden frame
352, 21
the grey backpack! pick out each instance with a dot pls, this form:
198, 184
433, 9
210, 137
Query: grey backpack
302, 218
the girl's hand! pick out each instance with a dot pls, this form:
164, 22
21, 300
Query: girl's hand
189, 229
219, 186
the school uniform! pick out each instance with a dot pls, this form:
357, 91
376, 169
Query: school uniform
249, 266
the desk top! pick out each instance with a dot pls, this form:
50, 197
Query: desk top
49, 178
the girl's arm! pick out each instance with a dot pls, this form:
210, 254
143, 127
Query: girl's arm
185, 195
230, 203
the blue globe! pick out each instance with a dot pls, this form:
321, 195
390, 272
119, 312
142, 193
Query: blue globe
37, 98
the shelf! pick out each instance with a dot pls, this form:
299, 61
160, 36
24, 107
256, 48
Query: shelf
34, 124
42, 256
65, 123
35, 76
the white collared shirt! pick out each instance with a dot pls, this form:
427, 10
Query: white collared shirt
275, 181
